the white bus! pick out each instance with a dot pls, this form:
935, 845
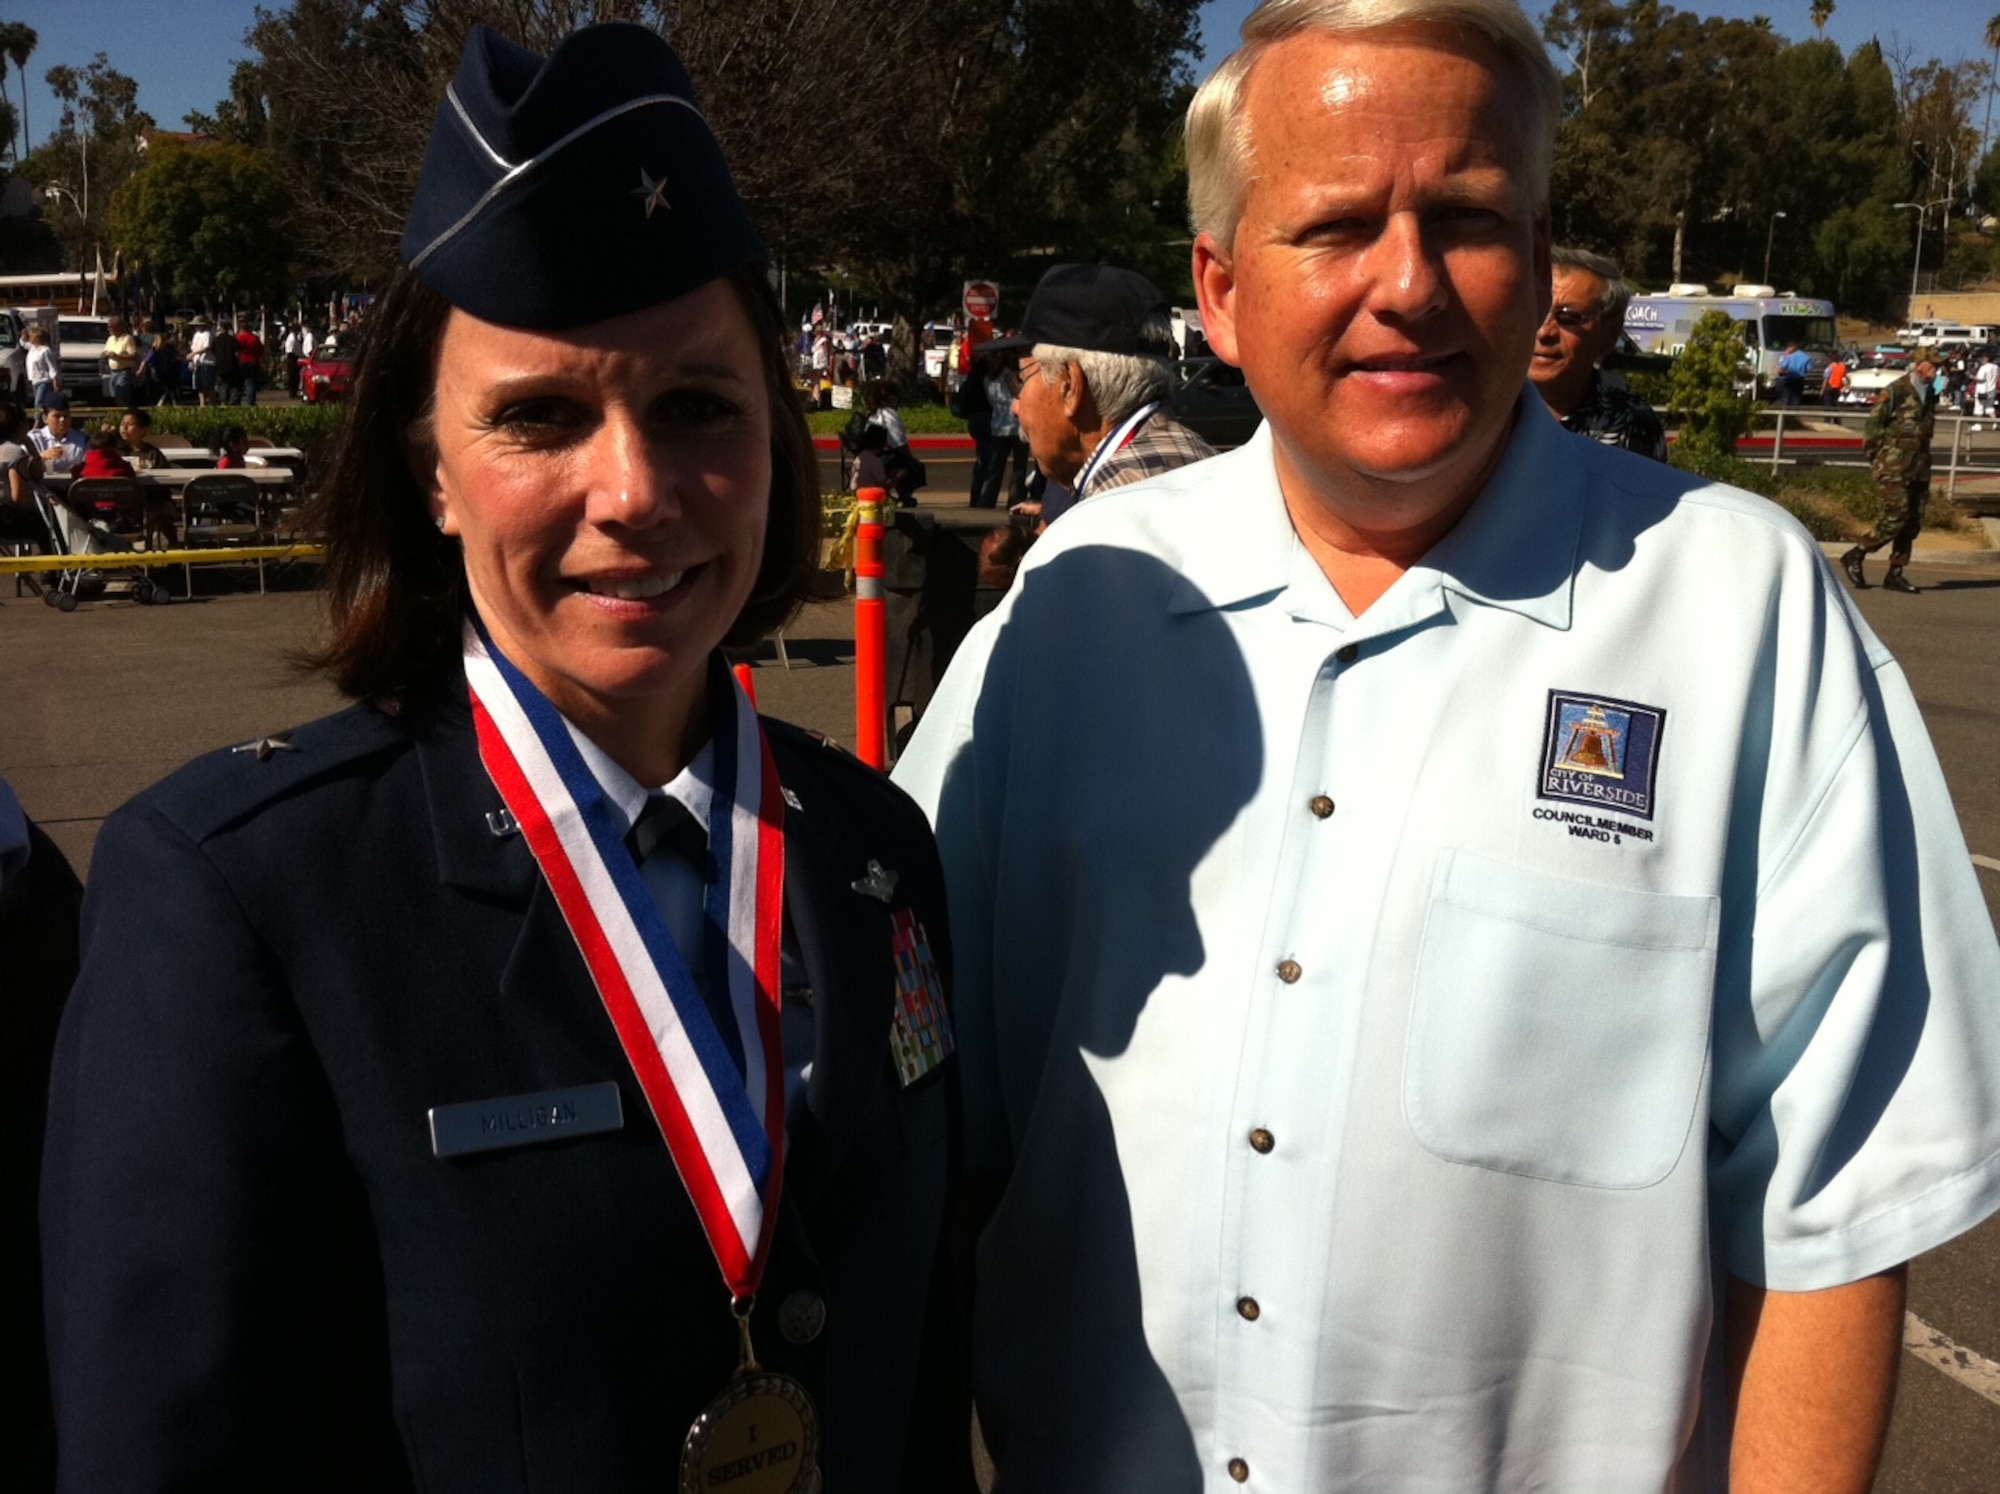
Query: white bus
1662, 324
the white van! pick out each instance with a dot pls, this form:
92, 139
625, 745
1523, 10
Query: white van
80, 346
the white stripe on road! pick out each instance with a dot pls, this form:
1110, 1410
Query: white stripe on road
1986, 861
1975, 1372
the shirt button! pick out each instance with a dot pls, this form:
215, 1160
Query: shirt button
1347, 653
1321, 806
1247, 1309
1262, 1140
1289, 971
1239, 1470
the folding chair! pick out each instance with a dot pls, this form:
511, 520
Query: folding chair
224, 510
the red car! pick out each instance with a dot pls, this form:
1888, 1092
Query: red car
329, 372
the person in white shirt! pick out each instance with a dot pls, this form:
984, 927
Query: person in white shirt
1986, 388
201, 357
1452, 997
44, 368
60, 444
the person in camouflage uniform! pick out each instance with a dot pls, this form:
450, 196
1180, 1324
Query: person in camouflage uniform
1899, 452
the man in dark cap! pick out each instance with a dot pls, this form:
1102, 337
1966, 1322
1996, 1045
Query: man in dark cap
1090, 387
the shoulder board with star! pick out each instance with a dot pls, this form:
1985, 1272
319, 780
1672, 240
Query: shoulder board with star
225, 786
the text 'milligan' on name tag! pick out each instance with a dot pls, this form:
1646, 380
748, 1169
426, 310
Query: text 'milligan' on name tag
520, 1120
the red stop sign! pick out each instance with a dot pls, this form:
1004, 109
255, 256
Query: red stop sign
982, 300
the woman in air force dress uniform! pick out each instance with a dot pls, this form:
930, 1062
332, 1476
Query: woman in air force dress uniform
536, 1076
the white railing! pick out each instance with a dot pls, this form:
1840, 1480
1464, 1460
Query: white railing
1961, 431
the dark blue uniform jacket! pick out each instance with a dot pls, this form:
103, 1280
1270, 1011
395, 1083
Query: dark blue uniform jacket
259, 1276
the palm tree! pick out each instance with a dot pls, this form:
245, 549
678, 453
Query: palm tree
1993, 45
1822, 12
18, 42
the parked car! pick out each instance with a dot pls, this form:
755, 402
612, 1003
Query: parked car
329, 373
1211, 399
80, 344
1875, 372
13, 355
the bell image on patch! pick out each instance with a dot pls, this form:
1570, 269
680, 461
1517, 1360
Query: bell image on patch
1591, 740
1601, 751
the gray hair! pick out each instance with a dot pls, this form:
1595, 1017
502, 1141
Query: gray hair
1218, 138
1119, 382
1617, 289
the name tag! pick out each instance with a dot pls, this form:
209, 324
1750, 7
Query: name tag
520, 1120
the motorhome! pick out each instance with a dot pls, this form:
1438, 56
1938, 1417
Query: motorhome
1771, 323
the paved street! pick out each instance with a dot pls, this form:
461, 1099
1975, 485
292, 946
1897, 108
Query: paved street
105, 700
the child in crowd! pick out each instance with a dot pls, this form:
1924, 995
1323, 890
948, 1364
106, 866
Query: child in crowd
102, 458
235, 444
105, 457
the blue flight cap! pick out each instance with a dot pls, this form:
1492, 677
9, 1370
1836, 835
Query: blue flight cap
561, 191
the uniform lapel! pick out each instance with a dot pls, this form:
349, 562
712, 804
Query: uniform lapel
477, 850
843, 942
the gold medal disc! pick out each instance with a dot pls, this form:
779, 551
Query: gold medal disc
760, 1436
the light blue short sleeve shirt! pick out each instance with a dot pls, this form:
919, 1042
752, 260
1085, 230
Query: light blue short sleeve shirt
1396, 1026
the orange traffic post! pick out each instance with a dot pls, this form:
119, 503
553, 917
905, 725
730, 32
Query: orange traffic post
749, 685
871, 633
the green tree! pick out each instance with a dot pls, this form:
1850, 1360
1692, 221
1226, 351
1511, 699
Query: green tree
98, 143
1685, 102
889, 145
1992, 36
17, 43
1702, 389
1822, 12
240, 119
204, 224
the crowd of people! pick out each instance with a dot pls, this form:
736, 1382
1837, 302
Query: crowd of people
1296, 1018
156, 361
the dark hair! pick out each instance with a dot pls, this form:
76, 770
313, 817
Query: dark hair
231, 435
395, 587
104, 438
135, 413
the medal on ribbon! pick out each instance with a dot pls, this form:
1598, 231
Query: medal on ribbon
716, 1090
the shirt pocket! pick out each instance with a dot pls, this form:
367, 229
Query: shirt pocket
1559, 1028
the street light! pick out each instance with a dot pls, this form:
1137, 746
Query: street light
52, 190
1916, 265
1768, 233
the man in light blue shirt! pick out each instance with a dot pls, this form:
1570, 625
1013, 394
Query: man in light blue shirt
1794, 367
1481, 1005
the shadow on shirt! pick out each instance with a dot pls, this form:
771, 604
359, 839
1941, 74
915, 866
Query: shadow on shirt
1091, 848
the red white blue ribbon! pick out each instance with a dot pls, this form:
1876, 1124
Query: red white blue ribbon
723, 1118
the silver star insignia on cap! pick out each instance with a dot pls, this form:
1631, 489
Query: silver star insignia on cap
880, 883
654, 190
265, 746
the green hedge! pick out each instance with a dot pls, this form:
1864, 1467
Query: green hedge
918, 420
1834, 503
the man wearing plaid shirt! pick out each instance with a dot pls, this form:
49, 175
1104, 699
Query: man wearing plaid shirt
1090, 379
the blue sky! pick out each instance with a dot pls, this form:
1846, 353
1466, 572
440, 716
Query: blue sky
181, 51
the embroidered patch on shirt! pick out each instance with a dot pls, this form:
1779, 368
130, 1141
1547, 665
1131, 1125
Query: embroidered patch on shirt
920, 1037
1600, 751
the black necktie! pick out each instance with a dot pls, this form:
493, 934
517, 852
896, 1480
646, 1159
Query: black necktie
666, 822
